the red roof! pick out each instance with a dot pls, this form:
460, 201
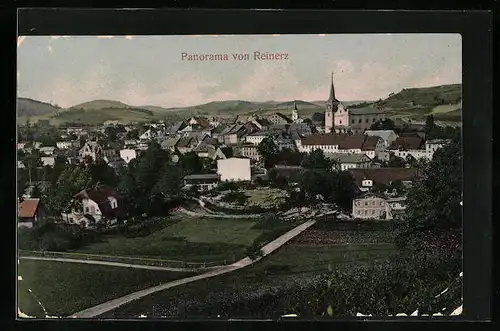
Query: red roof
28, 207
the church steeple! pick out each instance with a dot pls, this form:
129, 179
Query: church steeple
332, 92
295, 111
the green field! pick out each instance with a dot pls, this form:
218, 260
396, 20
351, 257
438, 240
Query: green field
65, 288
191, 239
290, 264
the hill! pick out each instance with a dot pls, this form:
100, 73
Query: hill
423, 101
28, 107
101, 104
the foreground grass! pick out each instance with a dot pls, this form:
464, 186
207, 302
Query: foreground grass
191, 239
65, 288
288, 266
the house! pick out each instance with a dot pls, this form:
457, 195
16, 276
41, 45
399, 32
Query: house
431, 146
350, 161
186, 144
97, 203
377, 206
405, 146
204, 182
260, 123
234, 169
342, 143
128, 155
387, 135
367, 178
370, 205
90, 149
150, 134
204, 150
279, 118
199, 123
232, 135
109, 153
29, 213
65, 144
47, 150
48, 161
222, 153
285, 143
250, 151
257, 137
170, 143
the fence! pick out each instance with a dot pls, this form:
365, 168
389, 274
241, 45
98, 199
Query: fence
125, 259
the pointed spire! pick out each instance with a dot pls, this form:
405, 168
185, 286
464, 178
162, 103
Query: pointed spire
332, 92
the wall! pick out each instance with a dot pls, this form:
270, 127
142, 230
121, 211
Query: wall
234, 169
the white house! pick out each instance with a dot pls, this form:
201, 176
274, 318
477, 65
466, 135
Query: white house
47, 150
205, 182
350, 161
96, 203
128, 155
234, 169
405, 146
256, 137
48, 161
92, 149
64, 144
431, 146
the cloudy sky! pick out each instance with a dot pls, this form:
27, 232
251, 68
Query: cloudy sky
148, 70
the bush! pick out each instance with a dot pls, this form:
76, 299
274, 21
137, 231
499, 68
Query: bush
55, 237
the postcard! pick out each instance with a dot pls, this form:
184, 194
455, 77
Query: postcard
239, 176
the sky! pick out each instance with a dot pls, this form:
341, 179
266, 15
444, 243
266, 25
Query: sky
149, 70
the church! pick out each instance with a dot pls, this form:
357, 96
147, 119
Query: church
342, 119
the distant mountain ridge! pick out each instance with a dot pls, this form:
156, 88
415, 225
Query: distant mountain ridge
443, 101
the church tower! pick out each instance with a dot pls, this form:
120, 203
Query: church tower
332, 105
295, 112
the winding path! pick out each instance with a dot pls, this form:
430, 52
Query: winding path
116, 264
266, 250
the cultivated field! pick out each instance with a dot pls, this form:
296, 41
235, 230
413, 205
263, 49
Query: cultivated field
192, 239
65, 288
295, 264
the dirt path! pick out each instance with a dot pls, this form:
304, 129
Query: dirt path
267, 249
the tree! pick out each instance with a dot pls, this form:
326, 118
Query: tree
267, 149
316, 160
190, 163
383, 124
133, 134
434, 203
396, 162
